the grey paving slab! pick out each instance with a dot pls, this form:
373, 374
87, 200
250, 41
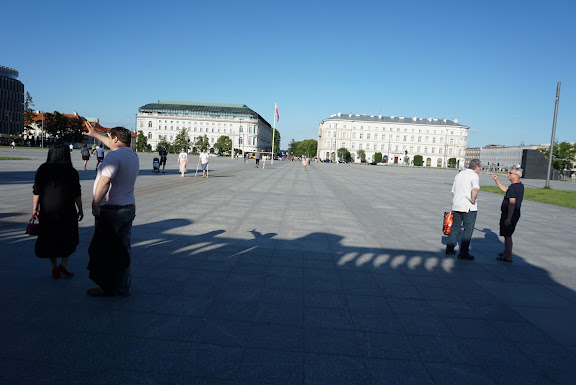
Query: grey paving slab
278, 276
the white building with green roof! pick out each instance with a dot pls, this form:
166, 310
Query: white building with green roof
166, 119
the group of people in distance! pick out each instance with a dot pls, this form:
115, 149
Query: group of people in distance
203, 160
464, 208
57, 203
86, 153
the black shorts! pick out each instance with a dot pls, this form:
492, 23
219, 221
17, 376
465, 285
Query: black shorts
100, 159
162, 161
507, 231
85, 157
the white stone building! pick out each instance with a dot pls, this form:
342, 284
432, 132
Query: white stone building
398, 138
166, 119
497, 157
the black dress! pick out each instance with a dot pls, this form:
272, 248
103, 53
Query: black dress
57, 186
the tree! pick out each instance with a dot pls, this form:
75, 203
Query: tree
202, 142
344, 154
182, 141
378, 157
276, 149
564, 155
452, 162
28, 111
162, 143
418, 160
56, 125
223, 144
362, 155
141, 142
307, 147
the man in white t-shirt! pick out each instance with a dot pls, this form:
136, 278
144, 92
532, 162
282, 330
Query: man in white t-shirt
203, 161
113, 207
464, 192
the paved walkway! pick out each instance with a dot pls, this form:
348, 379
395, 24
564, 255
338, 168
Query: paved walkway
334, 275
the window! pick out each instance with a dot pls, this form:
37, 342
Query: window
451, 140
425, 150
360, 146
367, 136
241, 129
353, 135
419, 139
375, 136
433, 140
171, 127
405, 138
352, 145
397, 138
149, 135
361, 135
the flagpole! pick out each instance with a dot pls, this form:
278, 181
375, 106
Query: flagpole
273, 131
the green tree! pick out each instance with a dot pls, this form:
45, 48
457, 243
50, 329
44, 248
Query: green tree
276, 149
162, 143
56, 125
344, 154
564, 155
307, 147
181, 141
418, 160
378, 157
141, 142
452, 162
362, 155
223, 144
202, 142
75, 128
28, 111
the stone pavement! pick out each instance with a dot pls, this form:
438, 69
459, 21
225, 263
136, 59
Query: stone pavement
334, 275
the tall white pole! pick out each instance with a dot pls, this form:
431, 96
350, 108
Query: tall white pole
553, 134
273, 131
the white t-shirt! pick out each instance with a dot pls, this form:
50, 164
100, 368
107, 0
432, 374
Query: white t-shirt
183, 157
464, 182
204, 157
121, 166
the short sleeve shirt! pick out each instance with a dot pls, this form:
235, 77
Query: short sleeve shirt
204, 158
464, 183
515, 190
121, 166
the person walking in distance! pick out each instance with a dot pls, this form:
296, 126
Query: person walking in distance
163, 158
203, 161
85, 153
464, 192
113, 207
510, 210
183, 162
258, 157
99, 155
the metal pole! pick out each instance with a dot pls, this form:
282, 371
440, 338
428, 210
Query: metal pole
274, 131
42, 129
553, 134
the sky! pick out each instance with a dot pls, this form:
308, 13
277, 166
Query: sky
494, 65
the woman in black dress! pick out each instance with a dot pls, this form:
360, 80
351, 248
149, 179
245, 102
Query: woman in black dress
58, 204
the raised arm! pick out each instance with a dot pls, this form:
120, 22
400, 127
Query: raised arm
95, 134
500, 185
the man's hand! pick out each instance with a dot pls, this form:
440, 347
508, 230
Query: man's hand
495, 177
95, 209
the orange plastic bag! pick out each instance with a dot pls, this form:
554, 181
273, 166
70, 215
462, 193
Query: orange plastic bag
448, 216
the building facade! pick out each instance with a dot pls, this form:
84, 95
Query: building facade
166, 119
471, 153
398, 139
11, 102
497, 157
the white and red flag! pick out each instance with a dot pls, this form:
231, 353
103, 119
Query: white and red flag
276, 110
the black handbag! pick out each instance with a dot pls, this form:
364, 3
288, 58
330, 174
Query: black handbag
33, 228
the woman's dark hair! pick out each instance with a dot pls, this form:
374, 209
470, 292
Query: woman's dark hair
59, 153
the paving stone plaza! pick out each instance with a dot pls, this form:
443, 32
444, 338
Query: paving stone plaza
275, 275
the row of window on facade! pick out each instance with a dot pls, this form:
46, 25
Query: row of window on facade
250, 141
384, 147
404, 138
251, 128
397, 129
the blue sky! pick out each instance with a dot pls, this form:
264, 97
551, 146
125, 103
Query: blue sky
494, 65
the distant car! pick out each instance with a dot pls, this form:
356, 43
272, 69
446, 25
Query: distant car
326, 161
211, 155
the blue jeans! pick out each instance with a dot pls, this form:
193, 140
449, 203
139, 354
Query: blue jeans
468, 220
110, 250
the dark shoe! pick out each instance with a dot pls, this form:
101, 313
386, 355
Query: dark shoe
450, 251
466, 257
503, 259
65, 271
55, 273
97, 292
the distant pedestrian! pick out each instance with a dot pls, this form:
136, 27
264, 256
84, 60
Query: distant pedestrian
71, 147
304, 162
13, 145
258, 157
85, 152
244, 157
464, 192
99, 155
203, 160
163, 158
93, 148
510, 210
58, 204
183, 162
